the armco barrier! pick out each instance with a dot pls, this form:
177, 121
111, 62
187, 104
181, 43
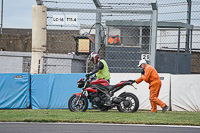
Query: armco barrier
52, 91
14, 90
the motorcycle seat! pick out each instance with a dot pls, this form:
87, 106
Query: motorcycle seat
110, 87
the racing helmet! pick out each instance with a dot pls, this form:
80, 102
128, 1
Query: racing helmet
94, 57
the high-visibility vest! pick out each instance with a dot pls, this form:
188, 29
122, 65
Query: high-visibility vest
104, 73
113, 40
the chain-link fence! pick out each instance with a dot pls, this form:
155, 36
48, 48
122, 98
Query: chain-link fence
125, 37
13, 40
121, 45
171, 11
178, 11
195, 20
62, 37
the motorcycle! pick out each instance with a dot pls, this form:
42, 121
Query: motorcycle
101, 96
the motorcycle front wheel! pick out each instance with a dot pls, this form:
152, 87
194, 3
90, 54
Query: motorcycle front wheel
77, 103
129, 104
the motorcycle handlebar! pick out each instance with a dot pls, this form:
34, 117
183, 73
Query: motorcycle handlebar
132, 81
87, 78
90, 77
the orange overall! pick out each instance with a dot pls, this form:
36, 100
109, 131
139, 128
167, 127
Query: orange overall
151, 76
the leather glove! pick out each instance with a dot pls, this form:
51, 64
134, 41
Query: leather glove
142, 72
87, 75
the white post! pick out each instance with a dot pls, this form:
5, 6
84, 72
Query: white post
39, 37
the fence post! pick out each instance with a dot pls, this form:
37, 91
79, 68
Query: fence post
98, 26
178, 50
1, 17
154, 33
98, 31
188, 22
39, 37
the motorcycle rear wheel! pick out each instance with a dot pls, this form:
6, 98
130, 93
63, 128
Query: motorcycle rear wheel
129, 104
79, 106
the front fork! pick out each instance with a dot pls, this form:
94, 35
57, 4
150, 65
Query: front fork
82, 92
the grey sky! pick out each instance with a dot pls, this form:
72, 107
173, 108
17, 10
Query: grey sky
18, 13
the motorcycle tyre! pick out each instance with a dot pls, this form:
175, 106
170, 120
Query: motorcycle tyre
74, 110
134, 98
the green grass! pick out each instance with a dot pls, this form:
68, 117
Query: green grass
95, 116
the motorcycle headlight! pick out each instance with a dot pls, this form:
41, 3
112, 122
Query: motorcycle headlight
80, 84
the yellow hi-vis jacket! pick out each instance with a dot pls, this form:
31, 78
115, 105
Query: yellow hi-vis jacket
104, 73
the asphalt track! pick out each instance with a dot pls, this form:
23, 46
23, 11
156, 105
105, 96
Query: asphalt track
93, 128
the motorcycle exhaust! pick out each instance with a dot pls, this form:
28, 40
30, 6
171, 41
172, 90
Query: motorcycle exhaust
117, 100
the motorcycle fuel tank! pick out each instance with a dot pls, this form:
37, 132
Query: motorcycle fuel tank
100, 81
90, 89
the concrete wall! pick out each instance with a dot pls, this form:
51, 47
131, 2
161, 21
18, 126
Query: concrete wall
195, 60
13, 62
16, 42
19, 62
20, 40
64, 63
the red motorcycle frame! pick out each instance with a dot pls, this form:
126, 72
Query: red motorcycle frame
101, 96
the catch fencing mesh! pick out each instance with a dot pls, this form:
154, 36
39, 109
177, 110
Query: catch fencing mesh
122, 46
167, 39
195, 20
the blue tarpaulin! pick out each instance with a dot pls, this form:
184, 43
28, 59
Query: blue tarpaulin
52, 91
14, 90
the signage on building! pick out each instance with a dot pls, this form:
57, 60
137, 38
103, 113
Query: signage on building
58, 19
65, 19
71, 19
145, 57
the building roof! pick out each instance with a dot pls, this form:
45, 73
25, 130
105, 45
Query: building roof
161, 24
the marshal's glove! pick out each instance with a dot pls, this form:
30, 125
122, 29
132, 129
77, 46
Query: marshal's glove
142, 72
